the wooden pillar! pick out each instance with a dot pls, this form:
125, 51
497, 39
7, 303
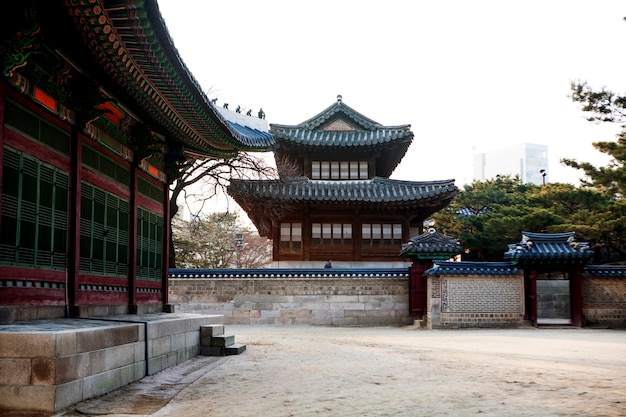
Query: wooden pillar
306, 237
73, 235
576, 296
168, 308
3, 92
417, 287
133, 308
531, 294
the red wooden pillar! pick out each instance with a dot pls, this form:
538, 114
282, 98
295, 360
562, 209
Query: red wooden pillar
576, 297
166, 250
132, 240
3, 92
73, 235
531, 294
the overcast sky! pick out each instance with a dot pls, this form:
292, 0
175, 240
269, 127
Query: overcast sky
468, 76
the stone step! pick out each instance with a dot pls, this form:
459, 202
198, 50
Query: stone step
211, 351
234, 349
209, 331
223, 340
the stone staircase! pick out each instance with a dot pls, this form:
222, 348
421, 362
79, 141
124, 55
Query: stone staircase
213, 341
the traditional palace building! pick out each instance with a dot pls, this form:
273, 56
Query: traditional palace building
334, 198
97, 114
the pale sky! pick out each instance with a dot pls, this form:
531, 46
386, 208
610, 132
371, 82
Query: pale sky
468, 76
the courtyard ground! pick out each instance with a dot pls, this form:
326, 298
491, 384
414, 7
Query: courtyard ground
389, 371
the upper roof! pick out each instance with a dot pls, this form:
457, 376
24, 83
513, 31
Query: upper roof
125, 45
431, 245
549, 249
340, 127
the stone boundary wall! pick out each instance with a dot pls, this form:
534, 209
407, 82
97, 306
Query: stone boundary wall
604, 302
475, 301
281, 300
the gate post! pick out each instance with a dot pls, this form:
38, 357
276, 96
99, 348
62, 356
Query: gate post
417, 288
576, 297
532, 296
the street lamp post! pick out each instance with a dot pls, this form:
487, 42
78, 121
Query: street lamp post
543, 176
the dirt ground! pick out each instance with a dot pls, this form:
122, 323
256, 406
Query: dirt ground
386, 371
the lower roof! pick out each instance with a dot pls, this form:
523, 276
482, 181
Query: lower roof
376, 190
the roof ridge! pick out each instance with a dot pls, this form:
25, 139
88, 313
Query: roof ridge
336, 107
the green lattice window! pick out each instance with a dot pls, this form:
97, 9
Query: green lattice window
34, 212
149, 190
29, 124
103, 232
149, 245
105, 165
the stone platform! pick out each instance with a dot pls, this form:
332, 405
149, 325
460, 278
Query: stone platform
48, 365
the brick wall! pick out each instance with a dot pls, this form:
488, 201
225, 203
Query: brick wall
475, 301
604, 302
318, 301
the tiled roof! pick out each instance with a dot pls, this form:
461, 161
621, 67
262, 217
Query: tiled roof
340, 128
296, 273
363, 132
339, 108
473, 268
250, 137
376, 190
605, 271
341, 138
431, 245
549, 248
129, 41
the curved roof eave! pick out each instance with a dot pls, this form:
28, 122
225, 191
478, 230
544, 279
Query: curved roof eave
375, 191
130, 42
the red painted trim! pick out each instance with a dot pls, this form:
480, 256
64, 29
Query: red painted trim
36, 150
102, 279
151, 205
90, 297
105, 183
31, 274
144, 298
45, 99
27, 296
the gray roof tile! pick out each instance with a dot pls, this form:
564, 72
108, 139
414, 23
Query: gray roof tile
377, 190
553, 248
605, 271
473, 268
431, 245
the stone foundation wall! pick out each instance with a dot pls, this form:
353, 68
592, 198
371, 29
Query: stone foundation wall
49, 365
331, 301
604, 302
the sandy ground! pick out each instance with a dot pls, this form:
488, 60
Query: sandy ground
386, 371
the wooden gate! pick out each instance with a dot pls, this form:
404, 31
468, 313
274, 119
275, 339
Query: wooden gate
417, 289
553, 302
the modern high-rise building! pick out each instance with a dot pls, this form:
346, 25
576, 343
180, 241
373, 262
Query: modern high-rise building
528, 160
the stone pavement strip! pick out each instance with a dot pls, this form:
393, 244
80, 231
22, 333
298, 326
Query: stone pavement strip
150, 394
